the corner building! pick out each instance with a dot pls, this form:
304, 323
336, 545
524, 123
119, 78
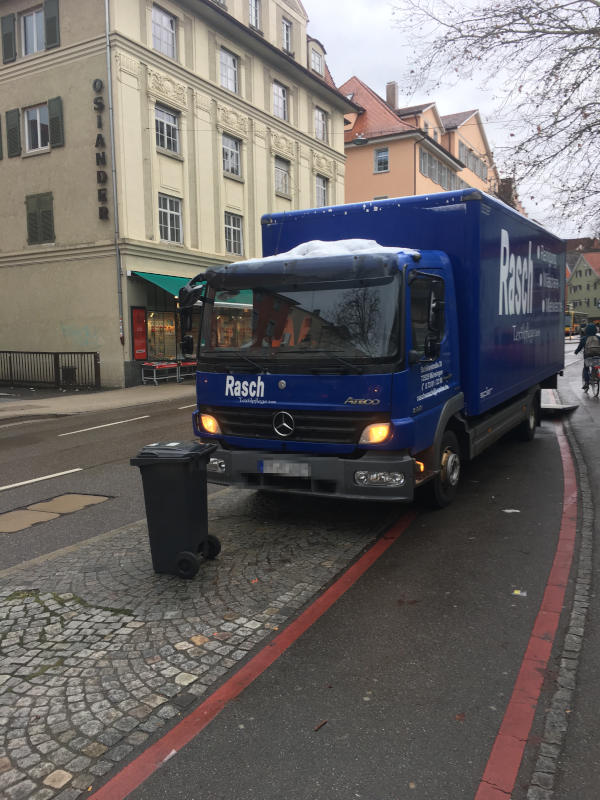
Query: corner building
140, 143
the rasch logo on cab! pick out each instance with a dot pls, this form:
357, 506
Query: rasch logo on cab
235, 388
362, 401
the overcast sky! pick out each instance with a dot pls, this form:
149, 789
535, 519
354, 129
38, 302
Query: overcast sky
362, 39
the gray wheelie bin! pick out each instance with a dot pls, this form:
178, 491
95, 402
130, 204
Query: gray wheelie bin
174, 481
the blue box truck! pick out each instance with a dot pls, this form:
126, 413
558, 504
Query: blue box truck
376, 346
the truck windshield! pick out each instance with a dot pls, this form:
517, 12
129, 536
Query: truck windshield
345, 321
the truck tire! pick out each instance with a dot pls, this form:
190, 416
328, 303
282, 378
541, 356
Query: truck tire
440, 490
526, 430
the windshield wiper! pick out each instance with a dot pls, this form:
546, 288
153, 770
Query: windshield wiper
339, 359
233, 356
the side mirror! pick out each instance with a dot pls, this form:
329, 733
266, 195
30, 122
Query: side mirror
187, 345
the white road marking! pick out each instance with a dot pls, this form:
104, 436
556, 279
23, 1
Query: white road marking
43, 478
193, 405
107, 425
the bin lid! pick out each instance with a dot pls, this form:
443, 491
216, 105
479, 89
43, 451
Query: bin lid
174, 452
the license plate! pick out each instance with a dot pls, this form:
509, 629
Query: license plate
294, 469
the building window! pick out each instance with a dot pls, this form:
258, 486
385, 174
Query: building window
167, 129
231, 155
282, 176
37, 29
255, 13
33, 31
321, 124
280, 101
229, 71
40, 218
382, 162
37, 132
163, 32
169, 218
322, 190
233, 234
432, 168
286, 35
316, 61
472, 161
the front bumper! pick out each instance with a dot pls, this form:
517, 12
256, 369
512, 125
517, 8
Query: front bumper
329, 476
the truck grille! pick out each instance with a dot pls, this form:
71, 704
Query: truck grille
334, 427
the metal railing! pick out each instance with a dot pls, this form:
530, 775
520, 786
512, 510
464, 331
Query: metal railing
66, 370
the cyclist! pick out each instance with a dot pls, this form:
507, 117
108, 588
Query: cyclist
590, 344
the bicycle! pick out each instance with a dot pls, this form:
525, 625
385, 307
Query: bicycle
594, 373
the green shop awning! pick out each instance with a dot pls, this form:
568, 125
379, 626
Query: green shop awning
173, 283
169, 283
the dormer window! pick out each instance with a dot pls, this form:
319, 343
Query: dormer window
254, 14
286, 35
316, 61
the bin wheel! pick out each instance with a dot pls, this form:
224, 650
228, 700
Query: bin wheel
211, 547
187, 564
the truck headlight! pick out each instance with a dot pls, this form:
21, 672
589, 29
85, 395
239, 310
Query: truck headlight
209, 423
375, 434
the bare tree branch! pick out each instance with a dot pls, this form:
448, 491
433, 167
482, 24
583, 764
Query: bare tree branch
546, 55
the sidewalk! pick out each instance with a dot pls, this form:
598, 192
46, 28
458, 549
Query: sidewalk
64, 404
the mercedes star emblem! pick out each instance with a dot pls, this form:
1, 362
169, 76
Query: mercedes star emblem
283, 424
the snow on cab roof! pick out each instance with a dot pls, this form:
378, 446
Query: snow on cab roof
341, 247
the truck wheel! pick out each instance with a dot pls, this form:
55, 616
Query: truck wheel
526, 430
187, 564
442, 488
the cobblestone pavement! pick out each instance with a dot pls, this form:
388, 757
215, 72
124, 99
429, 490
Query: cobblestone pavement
98, 653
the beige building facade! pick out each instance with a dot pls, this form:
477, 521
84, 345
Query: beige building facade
142, 141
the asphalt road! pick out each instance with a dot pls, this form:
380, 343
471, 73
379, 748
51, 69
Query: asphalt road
100, 446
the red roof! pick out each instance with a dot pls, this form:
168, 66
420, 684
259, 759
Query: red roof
377, 118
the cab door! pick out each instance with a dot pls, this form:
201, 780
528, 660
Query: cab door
427, 352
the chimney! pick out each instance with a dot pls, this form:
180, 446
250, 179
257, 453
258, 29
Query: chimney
391, 94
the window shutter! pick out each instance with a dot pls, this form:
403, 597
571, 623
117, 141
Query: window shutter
9, 40
33, 228
13, 133
40, 218
55, 117
46, 215
0, 140
51, 23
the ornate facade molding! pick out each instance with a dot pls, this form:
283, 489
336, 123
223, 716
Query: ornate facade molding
322, 165
282, 145
128, 64
165, 88
202, 102
228, 119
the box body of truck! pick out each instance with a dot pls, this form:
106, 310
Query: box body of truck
291, 419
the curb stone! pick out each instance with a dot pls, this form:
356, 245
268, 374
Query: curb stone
556, 723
